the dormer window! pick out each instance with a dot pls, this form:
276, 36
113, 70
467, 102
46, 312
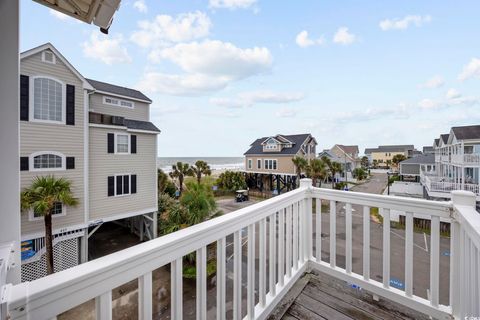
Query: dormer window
48, 57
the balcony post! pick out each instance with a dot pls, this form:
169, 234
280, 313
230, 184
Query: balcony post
307, 220
9, 136
466, 199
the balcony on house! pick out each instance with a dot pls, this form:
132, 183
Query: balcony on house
310, 250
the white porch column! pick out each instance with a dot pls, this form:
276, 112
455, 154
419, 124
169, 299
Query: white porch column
9, 133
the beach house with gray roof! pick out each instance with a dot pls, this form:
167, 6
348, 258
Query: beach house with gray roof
98, 136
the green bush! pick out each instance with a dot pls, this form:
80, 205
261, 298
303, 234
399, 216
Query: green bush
165, 185
231, 181
360, 174
340, 185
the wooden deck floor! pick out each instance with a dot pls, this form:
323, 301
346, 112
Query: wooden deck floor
318, 296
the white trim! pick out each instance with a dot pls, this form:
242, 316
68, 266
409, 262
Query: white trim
107, 126
38, 153
268, 160
143, 131
31, 217
31, 100
28, 53
122, 216
53, 56
116, 134
122, 96
31, 236
119, 102
271, 172
86, 143
129, 185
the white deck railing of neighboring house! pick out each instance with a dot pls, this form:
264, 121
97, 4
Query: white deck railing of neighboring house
459, 159
437, 184
283, 224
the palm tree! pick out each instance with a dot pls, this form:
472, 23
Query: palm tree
334, 168
42, 196
201, 167
180, 171
300, 164
317, 169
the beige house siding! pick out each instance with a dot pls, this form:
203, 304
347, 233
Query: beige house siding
284, 164
66, 139
103, 164
382, 157
139, 112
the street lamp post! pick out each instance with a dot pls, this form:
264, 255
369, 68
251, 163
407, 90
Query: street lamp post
388, 183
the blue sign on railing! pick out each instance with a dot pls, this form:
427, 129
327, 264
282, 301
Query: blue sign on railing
396, 283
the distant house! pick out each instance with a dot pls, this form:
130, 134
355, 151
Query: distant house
457, 163
428, 150
268, 161
347, 156
410, 169
385, 153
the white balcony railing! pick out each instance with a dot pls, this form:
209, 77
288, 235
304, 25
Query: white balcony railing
437, 184
288, 228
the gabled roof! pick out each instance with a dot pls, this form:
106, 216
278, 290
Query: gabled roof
297, 140
370, 150
467, 132
444, 138
436, 142
327, 153
104, 87
391, 148
348, 149
49, 46
420, 159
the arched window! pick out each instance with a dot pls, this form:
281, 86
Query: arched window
47, 161
48, 99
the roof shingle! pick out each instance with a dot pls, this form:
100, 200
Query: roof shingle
123, 91
297, 140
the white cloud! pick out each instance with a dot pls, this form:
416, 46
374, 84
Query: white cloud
399, 112
165, 29
217, 58
181, 85
141, 6
433, 82
342, 36
304, 41
471, 70
404, 23
453, 94
109, 50
247, 99
428, 104
232, 4
286, 113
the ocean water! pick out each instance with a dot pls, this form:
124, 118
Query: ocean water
215, 163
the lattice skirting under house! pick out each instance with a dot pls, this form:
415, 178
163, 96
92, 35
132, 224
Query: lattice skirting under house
65, 255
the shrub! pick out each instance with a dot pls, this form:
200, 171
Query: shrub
231, 181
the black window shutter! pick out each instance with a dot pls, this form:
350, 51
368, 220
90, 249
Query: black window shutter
111, 142
23, 163
24, 96
119, 185
70, 163
133, 143
111, 186
133, 182
126, 184
70, 116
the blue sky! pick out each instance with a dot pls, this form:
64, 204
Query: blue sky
224, 72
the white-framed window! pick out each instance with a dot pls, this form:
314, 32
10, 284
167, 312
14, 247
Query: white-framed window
49, 57
47, 96
58, 210
122, 143
249, 163
47, 161
271, 164
259, 163
122, 185
118, 102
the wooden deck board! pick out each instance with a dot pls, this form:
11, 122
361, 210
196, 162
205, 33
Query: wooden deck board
325, 298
